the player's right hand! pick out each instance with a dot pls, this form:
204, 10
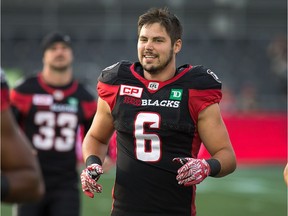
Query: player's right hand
89, 178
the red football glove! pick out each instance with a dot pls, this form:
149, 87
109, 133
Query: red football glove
193, 171
89, 178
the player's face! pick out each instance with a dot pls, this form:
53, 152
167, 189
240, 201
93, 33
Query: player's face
58, 56
155, 51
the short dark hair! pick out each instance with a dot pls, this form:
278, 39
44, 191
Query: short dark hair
54, 37
168, 20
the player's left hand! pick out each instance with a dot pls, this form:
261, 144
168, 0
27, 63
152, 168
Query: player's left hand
89, 178
193, 171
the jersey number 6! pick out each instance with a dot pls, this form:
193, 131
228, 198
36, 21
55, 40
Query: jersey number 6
148, 145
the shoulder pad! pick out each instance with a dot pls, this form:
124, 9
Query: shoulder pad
204, 78
26, 83
110, 74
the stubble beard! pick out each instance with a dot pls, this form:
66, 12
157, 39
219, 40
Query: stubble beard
157, 69
60, 69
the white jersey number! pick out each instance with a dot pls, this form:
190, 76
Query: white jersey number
47, 139
142, 139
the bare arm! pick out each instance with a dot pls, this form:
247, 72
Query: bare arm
215, 137
18, 164
98, 136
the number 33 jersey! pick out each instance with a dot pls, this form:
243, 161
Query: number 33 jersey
155, 122
50, 117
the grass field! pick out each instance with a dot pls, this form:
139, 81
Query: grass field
249, 191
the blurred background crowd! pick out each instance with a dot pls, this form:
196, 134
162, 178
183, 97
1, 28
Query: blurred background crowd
243, 41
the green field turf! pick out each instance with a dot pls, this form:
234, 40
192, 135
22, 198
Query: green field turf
249, 191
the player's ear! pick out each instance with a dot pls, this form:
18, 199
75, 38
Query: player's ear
177, 46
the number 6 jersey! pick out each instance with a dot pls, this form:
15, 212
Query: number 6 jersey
155, 122
50, 117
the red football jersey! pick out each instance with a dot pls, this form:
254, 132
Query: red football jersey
50, 117
155, 122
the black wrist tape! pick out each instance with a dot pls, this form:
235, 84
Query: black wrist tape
215, 166
92, 159
4, 187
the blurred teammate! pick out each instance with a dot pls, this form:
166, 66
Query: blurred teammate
21, 179
50, 107
161, 114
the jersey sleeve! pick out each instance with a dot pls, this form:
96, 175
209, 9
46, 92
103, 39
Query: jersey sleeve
206, 92
88, 106
20, 102
108, 93
88, 102
107, 86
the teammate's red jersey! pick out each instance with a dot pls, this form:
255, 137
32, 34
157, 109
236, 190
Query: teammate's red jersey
4, 92
155, 122
50, 117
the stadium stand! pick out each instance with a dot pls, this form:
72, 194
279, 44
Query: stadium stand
231, 37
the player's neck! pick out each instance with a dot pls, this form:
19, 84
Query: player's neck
56, 78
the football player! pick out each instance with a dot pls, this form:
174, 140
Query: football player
162, 114
50, 107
